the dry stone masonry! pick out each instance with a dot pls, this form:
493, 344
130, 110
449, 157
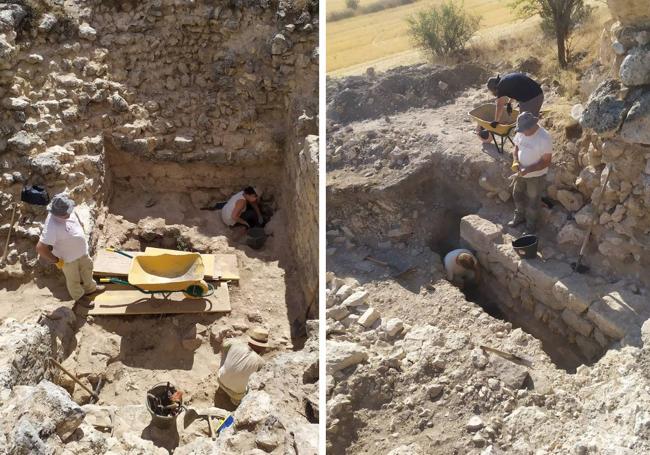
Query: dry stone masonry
199, 97
168, 98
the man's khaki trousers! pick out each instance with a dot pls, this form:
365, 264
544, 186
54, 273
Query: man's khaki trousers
79, 277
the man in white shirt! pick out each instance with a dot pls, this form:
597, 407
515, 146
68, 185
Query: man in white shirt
462, 267
532, 158
63, 242
239, 360
243, 209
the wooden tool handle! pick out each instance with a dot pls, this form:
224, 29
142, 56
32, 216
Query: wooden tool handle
11, 228
74, 378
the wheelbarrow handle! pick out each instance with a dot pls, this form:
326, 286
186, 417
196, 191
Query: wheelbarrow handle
114, 281
113, 250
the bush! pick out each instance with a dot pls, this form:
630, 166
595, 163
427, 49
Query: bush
444, 29
352, 4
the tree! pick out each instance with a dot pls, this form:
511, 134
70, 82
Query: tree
559, 18
444, 29
352, 4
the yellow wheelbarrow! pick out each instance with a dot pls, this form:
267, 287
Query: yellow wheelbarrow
484, 115
165, 274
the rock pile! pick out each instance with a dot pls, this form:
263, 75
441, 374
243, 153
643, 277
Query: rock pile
39, 417
369, 96
397, 388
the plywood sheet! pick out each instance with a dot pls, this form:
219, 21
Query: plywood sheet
107, 263
124, 301
227, 266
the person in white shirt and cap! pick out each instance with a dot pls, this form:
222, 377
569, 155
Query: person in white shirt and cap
462, 268
531, 160
239, 360
63, 242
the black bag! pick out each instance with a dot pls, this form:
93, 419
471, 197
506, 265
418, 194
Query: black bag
35, 195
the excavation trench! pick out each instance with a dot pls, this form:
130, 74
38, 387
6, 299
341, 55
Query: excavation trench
429, 218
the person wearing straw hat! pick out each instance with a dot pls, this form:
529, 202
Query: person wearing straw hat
531, 160
239, 360
63, 242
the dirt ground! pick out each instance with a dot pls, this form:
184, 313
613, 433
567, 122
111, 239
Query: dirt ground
136, 352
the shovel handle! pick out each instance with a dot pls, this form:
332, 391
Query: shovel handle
113, 250
74, 378
376, 261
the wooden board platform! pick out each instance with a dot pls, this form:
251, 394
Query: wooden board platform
217, 266
124, 301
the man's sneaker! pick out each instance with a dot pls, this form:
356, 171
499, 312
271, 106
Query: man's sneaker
516, 221
98, 289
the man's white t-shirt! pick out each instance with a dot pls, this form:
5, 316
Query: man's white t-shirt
532, 148
238, 362
226, 211
455, 270
66, 237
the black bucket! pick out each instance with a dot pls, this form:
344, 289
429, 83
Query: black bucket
161, 391
255, 237
526, 246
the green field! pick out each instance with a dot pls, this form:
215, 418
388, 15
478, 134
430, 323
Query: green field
381, 39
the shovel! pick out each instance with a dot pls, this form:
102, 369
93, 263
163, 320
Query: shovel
396, 272
577, 266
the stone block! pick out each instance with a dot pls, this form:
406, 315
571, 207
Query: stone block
338, 313
343, 354
543, 276
479, 232
356, 299
505, 255
369, 317
575, 292
579, 324
618, 313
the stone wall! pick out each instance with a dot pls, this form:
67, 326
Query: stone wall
178, 95
587, 311
300, 198
617, 123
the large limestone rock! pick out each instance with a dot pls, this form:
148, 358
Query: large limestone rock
604, 112
35, 419
635, 69
636, 128
24, 349
343, 354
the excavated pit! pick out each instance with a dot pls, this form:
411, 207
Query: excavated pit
146, 112
429, 221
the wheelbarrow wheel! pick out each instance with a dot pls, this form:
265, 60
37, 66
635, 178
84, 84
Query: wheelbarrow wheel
198, 291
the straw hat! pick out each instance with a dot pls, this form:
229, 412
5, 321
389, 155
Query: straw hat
258, 336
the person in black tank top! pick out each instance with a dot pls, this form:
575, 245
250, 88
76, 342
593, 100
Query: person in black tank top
518, 87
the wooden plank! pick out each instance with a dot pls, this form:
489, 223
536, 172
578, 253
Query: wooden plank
107, 263
124, 301
227, 266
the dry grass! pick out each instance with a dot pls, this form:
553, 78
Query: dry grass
362, 40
